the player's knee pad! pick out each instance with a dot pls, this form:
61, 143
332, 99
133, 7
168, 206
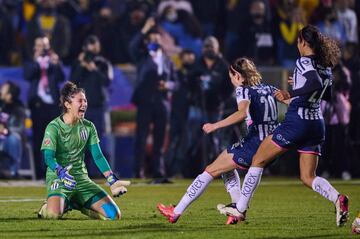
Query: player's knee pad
111, 210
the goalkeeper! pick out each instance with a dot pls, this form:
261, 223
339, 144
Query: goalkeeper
68, 185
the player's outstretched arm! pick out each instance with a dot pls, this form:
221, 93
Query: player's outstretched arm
238, 116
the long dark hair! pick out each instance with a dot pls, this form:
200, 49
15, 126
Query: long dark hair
327, 51
67, 93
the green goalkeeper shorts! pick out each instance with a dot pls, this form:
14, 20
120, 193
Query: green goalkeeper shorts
86, 192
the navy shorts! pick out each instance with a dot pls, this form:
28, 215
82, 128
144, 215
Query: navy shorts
305, 135
244, 150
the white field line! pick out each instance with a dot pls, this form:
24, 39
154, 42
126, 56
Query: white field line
22, 200
268, 182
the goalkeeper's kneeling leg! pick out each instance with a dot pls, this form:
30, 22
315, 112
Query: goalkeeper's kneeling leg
47, 213
111, 210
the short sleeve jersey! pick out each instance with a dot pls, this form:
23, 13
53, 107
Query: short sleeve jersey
304, 66
263, 112
70, 142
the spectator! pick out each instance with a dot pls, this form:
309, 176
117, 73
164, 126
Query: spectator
183, 27
176, 151
81, 14
210, 87
331, 26
351, 61
176, 4
237, 19
156, 78
116, 35
45, 73
347, 17
257, 39
12, 122
337, 116
54, 26
94, 74
7, 34
209, 13
288, 21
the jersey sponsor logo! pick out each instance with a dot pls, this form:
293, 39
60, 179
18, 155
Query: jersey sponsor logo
83, 134
47, 142
241, 161
282, 139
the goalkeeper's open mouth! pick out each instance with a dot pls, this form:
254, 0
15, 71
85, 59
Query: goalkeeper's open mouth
82, 112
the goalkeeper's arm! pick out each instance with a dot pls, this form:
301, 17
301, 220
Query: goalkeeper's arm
62, 173
50, 161
117, 187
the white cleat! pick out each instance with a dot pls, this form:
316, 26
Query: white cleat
40, 213
231, 210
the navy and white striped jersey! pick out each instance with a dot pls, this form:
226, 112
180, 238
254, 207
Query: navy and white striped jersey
263, 112
310, 81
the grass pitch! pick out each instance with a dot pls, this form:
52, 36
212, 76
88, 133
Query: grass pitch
282, 208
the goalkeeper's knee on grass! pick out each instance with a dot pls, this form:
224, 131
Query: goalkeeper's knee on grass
111, 210
45, 213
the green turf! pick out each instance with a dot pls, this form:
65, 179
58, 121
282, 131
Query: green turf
282, 208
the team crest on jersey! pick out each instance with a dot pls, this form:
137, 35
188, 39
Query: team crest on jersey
55, 185
83, 134
47, 142
305, 62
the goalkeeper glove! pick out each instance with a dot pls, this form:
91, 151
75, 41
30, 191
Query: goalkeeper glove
66, 178
117, 187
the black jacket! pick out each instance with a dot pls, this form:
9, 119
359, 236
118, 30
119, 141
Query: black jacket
94, 82
32, 73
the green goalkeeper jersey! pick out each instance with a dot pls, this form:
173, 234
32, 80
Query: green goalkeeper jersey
70, 142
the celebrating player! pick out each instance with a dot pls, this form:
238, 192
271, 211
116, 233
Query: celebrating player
303, 126
68, 184
256, 103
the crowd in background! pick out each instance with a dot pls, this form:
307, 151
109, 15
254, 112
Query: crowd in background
181, 51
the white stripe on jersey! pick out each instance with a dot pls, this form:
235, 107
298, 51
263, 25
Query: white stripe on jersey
265, 130
303, 65
261, 132
309, 114
242, 94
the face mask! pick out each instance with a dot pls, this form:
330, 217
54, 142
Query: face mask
210, 54
153, 46
187, 65
257, 16
332, 19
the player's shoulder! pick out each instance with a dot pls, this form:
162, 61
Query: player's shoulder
262, 89
241, 90
305, 64
87, 123
55, 123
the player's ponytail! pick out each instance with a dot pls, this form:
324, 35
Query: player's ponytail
247, 69
327, 51
67, 93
